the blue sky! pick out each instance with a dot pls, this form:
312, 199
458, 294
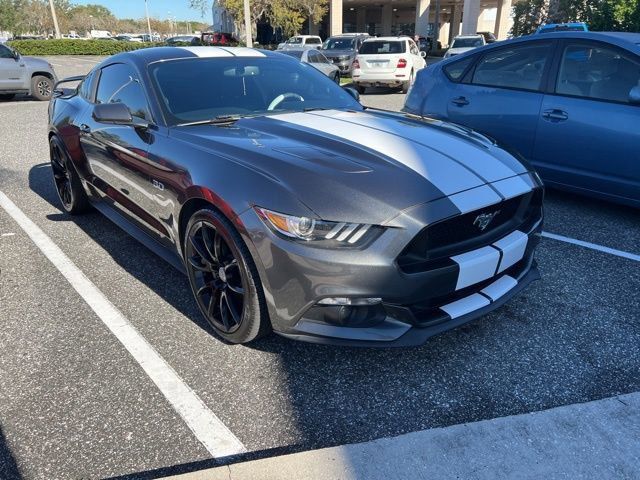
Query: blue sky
157, 8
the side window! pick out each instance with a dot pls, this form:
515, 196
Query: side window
323, 59
596, 72
118, 85
86, 87
5, 52
133, 97
521, 67
313, 57
455, 70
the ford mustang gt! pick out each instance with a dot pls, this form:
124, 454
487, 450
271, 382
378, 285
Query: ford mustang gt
289, 205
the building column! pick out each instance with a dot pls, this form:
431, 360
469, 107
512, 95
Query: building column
361, 19
387, 18
456, 16
335, 17
470, 14
422, 17
503, 19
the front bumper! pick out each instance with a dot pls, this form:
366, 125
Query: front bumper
344, 66
392, 79
417, 301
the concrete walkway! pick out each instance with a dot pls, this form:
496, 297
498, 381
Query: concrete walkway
595, 440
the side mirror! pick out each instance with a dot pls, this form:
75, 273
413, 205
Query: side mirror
353, 92
16, 55
423, 54
634, 95
117, 113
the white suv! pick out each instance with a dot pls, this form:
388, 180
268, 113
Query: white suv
301, 41
387, 62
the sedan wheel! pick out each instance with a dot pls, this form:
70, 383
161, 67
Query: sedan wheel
68, 186
224, 279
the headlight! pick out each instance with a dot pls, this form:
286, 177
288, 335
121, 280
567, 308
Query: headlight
320, 232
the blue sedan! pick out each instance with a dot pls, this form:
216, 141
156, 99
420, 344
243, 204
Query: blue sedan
568, 102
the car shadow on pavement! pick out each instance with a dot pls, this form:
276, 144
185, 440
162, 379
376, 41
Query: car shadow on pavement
145, 266
8, 465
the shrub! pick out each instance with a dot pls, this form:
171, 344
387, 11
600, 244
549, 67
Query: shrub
75, 47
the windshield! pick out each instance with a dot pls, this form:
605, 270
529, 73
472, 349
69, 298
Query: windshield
295, 41
467, 43
198, 89
381, 46
339, 44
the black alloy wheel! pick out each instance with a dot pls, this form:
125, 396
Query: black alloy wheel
223, 278
68, 186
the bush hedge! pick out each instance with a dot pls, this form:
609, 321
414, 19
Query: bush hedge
75, 47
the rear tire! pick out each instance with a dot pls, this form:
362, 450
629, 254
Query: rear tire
7, 96
41, 88
66, 180
224, 278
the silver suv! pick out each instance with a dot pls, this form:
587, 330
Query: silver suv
342, 50
29, 75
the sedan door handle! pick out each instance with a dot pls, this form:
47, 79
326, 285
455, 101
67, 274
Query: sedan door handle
555, 115
460, 101
84, 128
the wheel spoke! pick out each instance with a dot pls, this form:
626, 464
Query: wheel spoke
204, 289
217, 247
198, 265
199, 250
231, 307
209, 243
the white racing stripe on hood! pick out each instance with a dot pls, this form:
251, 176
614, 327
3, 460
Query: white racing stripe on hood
470, 155
213, 52
445, 174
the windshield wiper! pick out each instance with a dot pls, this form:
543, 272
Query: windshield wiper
219, 120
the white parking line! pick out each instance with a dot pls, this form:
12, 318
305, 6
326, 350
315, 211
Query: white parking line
593, 246
205, 425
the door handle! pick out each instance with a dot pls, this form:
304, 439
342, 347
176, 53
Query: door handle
460, 101
84, 128
555, 115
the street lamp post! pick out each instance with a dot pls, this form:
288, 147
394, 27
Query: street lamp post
247, 24
146, 10
55, 19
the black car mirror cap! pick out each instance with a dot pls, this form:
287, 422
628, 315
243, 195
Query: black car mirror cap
117, 113
353, 92
634, 95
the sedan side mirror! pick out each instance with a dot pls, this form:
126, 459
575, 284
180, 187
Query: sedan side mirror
634, 95
117, 113
353, 92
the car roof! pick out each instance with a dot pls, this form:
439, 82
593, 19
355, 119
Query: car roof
144, 56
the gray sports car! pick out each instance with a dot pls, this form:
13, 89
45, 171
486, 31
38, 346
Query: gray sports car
288, 204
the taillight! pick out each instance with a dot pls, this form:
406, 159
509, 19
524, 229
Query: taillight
402, 63
356, 64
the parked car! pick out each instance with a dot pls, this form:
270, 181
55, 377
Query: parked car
576, 119
342, 50
489, 37
20, 74
562, 27
464, 43
218, 38
316, 59
311, 216
387, 62
425, 44
180, 39
301, 41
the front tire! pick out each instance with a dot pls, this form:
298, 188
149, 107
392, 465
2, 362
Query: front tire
224, 279
67, 181
41, 88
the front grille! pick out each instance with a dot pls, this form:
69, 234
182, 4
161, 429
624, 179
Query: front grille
459, 234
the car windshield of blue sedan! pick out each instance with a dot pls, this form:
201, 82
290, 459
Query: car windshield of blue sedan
200, 89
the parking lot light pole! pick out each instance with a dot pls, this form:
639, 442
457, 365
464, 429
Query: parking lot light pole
55, 19
247, 24
146, 10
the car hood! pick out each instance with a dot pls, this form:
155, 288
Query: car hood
36, 62
358, 166
459, 50
338, 53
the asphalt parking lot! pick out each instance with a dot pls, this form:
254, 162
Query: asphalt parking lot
75, 404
